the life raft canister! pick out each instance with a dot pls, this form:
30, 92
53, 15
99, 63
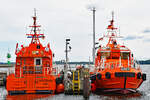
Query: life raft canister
108, 75
144, 77
139, 75
99, 76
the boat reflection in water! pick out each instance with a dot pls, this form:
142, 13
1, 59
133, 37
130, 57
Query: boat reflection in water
115, 96
28, 96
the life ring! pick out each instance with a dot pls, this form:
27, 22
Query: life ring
108, 75
144, 77
139, 75
99, 76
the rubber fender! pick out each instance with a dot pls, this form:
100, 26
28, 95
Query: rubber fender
60, 88
93, 87
144, 77
108, 75
99, 76
139, 75
4, 81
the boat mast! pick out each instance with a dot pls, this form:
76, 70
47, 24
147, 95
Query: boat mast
35, 28
111, 30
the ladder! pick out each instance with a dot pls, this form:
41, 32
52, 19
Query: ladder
76, 82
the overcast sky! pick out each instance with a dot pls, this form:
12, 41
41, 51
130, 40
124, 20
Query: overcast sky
61, 19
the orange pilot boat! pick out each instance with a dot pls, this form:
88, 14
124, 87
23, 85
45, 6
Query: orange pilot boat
115, 68
33, 66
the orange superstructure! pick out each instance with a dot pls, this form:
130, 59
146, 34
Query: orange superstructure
33, 66
115, 67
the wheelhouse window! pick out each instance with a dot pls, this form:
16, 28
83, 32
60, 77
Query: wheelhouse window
115, 55
105, 54
38, 61
38, 65
38, 46
125, 55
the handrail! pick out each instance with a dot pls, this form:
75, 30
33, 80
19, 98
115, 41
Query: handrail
45, 70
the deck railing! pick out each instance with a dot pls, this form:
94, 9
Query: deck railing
117, 64
34, 70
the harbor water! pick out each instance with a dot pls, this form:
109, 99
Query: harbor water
143, 93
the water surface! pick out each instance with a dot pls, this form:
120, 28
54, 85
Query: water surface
143, 93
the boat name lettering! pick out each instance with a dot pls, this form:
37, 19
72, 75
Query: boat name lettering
125, 69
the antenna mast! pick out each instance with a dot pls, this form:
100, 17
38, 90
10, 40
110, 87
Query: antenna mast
35, 36
93, 9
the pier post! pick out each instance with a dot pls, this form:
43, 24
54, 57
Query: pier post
86, 85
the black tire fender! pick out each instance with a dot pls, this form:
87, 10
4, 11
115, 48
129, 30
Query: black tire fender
144, 77
139, 75
99, 76
93, 77
108, 75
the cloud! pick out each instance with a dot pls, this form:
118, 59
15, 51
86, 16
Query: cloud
147, 39
146, 31
133, 37
69, 18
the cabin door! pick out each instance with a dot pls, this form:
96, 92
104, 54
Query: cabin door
38, 70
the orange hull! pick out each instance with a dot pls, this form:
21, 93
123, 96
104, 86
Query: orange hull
30, 84
124, 81
120, 83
